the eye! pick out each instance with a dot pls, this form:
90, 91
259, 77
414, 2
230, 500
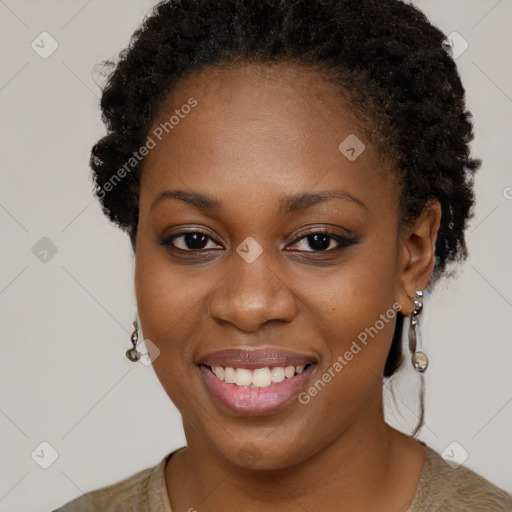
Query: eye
318, 241
188, 241
324, 241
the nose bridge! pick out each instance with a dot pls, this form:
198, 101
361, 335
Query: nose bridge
251, 293
252, 279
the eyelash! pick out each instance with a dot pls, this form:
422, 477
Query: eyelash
343, 241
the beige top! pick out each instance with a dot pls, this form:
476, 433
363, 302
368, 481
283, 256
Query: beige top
440, 489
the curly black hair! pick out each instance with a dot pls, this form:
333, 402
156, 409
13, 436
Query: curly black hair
384, 55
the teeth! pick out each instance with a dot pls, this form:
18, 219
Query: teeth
219, 371
258, 378
289, 372
229, 375
277, 374
261, 378
243, 377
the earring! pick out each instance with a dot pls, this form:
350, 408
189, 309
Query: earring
133, 354
419, 359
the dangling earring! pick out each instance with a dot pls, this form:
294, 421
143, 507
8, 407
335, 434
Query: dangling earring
133, 354
419, 359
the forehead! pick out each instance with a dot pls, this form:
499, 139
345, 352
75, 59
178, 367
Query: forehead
282, 126
220, 81
249, 89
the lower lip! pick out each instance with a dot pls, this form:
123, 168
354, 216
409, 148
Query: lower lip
253, 401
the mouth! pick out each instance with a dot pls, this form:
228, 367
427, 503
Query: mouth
253, 382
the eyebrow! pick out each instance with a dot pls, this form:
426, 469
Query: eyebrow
289, 204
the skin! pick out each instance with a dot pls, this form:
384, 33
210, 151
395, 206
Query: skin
259, 133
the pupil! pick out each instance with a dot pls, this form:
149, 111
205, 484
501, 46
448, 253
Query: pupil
195, 240
318, 242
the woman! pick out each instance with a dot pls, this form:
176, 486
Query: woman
292, 175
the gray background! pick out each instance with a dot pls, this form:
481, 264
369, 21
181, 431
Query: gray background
66, 321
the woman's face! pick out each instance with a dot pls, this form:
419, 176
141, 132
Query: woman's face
255, 155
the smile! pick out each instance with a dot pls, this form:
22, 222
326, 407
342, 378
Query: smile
255, 382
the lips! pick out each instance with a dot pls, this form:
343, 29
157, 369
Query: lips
257, 381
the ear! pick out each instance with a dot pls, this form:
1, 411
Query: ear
417, 250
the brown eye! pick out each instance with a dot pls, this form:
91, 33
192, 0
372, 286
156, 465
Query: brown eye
188, 241
324, 241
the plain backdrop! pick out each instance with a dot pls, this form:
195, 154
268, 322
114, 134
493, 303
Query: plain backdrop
66, 314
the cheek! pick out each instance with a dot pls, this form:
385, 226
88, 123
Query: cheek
348, 383
167, 308
167, 302
168, 295
354, 307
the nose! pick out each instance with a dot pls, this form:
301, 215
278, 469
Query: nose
250, 295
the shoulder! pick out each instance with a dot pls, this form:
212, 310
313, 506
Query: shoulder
445, 488
144, 490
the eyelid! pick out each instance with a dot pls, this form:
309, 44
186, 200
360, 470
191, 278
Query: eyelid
322, 230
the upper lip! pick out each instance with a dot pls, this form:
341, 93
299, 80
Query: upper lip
255, 358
